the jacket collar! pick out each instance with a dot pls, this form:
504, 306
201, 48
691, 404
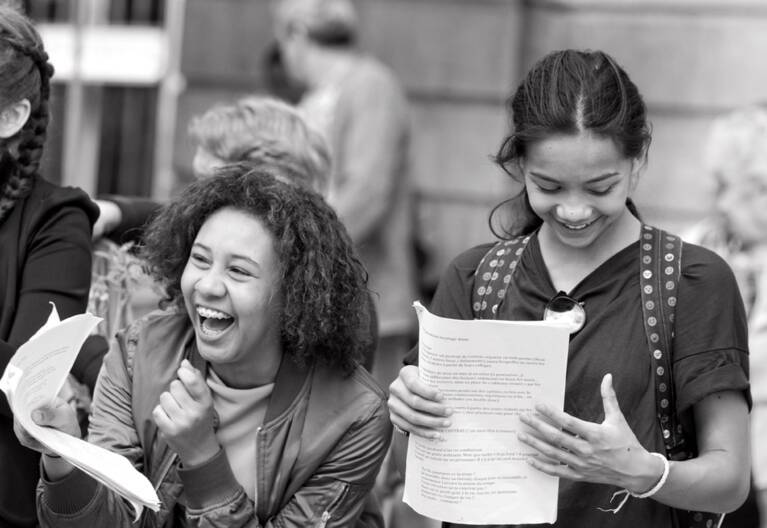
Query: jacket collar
287, 384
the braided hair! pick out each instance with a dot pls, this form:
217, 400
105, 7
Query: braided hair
25, 73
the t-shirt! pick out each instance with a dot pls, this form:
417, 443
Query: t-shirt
710, 352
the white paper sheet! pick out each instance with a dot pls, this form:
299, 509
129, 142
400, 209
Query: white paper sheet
34, 377
489, 372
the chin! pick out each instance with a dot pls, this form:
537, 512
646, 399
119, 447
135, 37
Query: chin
213, 353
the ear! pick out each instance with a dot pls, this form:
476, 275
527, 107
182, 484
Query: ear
638, 165
14, 117
517, 170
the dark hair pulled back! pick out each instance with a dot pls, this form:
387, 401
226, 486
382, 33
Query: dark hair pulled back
25, 73
568, 92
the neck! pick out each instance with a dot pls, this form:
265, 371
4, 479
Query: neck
568, 265
260, 370
328, 66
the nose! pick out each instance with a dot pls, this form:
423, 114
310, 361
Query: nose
574, 212
210, 284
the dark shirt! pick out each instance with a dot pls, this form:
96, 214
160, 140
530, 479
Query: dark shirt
45, 256
710, 352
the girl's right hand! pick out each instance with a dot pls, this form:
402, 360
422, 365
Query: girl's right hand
415, 407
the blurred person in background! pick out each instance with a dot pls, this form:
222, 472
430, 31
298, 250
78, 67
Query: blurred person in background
45, 241
361, 108
253, 128
736, 156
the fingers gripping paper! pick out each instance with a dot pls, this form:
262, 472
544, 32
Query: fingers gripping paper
489, 373
35, 376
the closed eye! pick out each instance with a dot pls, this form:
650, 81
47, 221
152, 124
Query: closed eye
240, 272
199, 260
547, 190
603, 191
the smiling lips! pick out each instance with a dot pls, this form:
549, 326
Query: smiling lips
576, 227
213, 322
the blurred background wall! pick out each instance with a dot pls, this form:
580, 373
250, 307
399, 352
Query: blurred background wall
459, 60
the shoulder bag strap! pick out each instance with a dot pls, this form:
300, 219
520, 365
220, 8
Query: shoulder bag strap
660, 269
493, 275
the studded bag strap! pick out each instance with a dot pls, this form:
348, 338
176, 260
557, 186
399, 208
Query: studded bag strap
660, 268
493, 275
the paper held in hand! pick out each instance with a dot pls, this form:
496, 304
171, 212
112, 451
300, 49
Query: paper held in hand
489, 372
35, 375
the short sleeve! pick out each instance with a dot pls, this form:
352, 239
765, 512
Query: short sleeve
711, 336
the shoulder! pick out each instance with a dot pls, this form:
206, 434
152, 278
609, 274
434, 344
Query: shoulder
47, 198
354, 401
153, 337
702, 265
454, 292
466, 262
358, 388
372, 70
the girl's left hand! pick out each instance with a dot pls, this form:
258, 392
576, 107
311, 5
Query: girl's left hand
606, 453
185, 417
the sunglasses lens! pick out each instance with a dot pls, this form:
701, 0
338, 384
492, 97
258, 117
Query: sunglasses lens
566, 310
561, 304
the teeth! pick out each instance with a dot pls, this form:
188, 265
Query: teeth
212, 314
576, 227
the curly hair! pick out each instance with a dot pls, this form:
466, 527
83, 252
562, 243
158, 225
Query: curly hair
322, 282
25, 73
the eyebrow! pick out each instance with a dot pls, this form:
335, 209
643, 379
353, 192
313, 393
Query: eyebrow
597, 179
234, 256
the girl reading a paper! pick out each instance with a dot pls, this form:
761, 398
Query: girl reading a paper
659, 426
243, 402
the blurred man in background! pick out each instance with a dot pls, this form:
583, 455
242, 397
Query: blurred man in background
358, 104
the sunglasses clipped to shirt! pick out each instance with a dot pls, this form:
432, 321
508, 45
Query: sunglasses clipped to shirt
563, 308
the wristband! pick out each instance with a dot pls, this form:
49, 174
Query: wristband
658, 485
649, 493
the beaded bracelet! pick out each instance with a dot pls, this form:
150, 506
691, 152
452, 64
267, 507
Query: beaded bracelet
658, 485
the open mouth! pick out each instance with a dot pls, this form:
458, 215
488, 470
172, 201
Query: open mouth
213, 322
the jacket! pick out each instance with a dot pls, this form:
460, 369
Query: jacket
321, 444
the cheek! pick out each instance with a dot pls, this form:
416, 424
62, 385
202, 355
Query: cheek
540, 203
615, 206
187, 281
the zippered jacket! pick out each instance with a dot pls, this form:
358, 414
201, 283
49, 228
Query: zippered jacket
319, 449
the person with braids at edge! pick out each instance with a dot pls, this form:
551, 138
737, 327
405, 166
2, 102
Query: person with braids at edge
45, 240
654, 432
243, 401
